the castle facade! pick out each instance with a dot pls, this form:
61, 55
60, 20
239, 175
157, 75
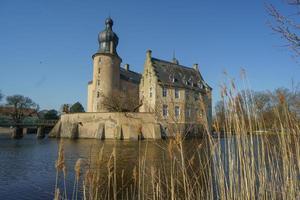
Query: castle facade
174, 93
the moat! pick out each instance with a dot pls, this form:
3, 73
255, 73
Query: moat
27, 167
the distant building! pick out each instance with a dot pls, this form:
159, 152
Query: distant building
173, 92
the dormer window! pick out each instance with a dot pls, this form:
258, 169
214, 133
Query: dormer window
188, 82
200, 85
172, 78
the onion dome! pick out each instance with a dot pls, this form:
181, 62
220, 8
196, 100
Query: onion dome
108, 40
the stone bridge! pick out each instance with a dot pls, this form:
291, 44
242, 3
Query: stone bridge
19, 129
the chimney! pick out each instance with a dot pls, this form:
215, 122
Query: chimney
149, 52
195, 66
126, 66
175, 61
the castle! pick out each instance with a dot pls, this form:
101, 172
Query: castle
166, 99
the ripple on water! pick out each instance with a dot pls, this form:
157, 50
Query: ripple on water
27, 165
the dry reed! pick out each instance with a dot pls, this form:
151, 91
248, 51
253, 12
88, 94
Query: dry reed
237, 164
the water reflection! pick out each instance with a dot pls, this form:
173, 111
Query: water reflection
27, 166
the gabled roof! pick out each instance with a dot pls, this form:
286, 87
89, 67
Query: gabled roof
173, 74
130, 76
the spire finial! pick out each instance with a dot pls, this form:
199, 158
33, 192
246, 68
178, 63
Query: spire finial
109, 22
175, 61
174, 54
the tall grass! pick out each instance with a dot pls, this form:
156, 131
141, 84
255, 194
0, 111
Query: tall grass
242, 163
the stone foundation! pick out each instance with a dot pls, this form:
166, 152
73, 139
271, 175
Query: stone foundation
107, 126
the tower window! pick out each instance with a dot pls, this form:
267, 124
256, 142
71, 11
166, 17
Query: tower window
165, 110
177, 111
98, 94
176, 93
164, 92
150, 93
99, 70
98, 82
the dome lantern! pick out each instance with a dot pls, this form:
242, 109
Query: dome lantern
108, 40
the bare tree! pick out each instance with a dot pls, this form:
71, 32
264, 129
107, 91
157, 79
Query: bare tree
287, 25
22, 107
259, 106
122, 101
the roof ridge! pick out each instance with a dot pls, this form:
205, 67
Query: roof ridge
174, 64
130, 71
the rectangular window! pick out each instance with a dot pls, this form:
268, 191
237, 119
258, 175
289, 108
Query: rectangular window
188, 112
165, 110
150, 93
177, 111
98, 82
98, 94
176, 93
99, 70
196, 96
164, 92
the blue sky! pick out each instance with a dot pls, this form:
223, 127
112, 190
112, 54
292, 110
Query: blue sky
46, 46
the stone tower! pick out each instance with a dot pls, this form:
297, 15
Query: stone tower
106, 69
